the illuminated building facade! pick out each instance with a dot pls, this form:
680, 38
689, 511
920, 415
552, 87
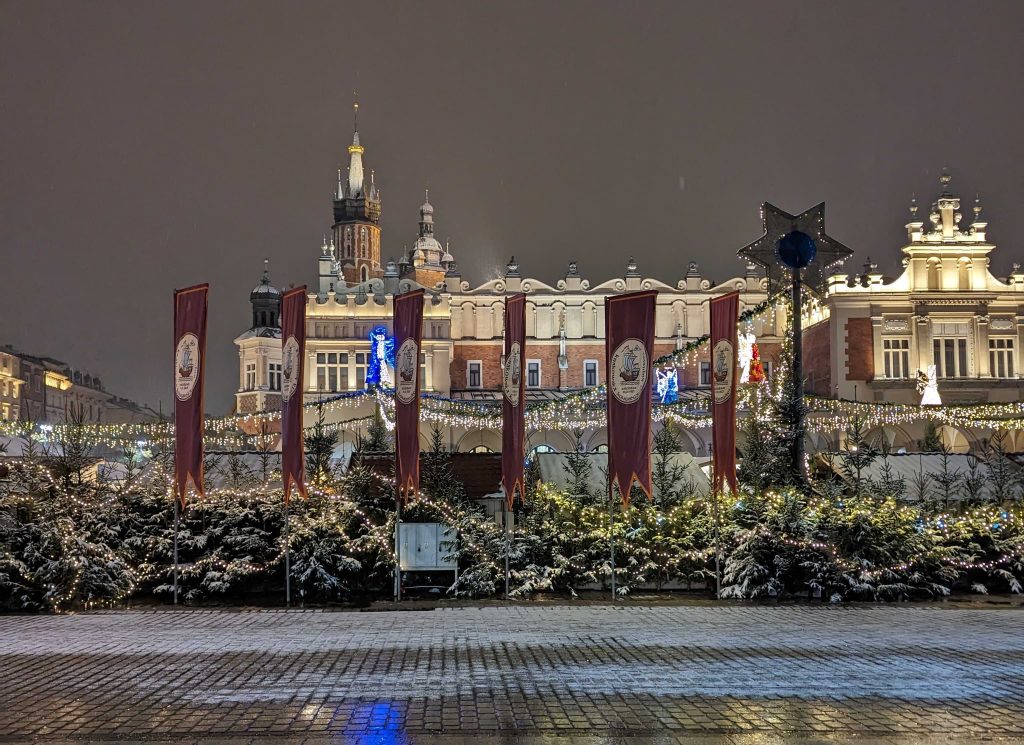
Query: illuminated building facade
866, 339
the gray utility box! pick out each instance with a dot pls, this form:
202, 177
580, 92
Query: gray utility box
420, 548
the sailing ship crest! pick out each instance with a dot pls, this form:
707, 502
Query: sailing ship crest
512, 374
289, 368
723, 364
408, 356
629, 372
186, 366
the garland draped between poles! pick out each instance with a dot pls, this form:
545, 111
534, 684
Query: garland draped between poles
576, 410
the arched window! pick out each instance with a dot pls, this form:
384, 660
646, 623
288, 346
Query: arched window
539, 449
481, 449
602, 448
364, 273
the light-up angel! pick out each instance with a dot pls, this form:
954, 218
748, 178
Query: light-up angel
928, 387
667, 385
380, 370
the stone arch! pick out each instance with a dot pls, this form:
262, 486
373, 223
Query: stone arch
476, 437
560, 441
892, 436
597, 438
934, 274
957, 440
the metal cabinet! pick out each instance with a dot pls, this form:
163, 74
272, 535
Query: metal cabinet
420, 547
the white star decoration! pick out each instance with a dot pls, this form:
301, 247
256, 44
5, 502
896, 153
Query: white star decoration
764, 251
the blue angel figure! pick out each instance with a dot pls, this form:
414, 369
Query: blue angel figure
668, 385
382, 359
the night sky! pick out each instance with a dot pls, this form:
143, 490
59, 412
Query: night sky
150, 146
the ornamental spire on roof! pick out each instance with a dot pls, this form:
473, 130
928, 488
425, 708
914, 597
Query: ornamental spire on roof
355, 154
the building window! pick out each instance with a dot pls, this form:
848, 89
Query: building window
362, 358
533, 373
705, 373
590, 373
474, 374
950, 357
897, 357
1000, 358
481, 449
274, 376
364, 273
250, 376
332, 371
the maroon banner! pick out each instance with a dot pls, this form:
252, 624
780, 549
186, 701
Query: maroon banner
293, 345
408, 333
724, 317
513, 421
189, 373
629, 342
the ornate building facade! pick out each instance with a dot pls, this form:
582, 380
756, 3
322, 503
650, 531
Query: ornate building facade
946, 315
866, 339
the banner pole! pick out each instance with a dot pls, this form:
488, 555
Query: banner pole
175, 549
611, 531
718, 549
508, 541
398, 550
287, 558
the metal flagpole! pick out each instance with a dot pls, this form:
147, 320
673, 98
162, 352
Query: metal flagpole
611, 530
798, 381
287, 558
175, 549
714, 509
398, 550
508, 541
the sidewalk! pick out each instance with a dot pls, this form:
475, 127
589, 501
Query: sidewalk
688, 674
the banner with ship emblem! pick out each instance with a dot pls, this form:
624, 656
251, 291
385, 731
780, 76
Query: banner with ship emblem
724, 317
629, 325
408, 333
293, 337
189, 369
513, 420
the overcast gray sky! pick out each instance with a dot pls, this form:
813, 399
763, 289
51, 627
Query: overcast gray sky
152, 145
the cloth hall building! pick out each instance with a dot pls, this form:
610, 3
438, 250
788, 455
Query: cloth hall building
867, 338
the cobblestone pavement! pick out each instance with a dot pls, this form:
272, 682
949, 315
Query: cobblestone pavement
714, 674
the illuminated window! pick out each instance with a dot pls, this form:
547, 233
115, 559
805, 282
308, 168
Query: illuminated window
474, 374
362, 359
533, 374
332, 371
274, 376
590, 373
705, 373
950, 357
1000, 357
896, 353
250, 376
481, 449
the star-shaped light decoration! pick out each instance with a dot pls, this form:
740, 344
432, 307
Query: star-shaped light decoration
828, 253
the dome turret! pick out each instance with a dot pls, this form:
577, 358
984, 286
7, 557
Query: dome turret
266, 301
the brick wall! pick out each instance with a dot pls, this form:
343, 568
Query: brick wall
860, 352
488, 353
817, 342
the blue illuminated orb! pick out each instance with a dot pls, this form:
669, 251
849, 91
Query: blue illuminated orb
797, 250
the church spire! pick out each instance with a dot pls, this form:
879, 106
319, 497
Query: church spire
355, 154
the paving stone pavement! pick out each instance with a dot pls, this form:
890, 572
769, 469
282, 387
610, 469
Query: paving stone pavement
727, 675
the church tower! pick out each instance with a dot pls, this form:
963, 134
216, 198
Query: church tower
356, 228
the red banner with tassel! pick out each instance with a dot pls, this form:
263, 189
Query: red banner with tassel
513, 420
293, 345
189, 374
724, 317
629, 342
408, 334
